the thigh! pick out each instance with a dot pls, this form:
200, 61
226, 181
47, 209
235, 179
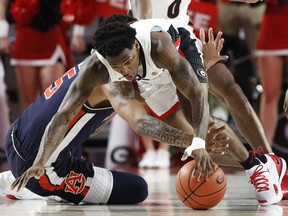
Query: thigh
271, 73
49, 74
27, 79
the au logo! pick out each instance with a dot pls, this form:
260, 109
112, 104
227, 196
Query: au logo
75, 183
201, 72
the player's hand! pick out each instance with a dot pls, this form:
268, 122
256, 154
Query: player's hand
35, 171
286, 104
216, 143
212, 49
204, 164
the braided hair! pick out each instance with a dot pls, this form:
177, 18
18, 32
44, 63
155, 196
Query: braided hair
114, 35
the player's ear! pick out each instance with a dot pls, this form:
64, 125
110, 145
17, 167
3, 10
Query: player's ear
137, 45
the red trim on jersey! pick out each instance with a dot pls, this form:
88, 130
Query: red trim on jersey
166, 114
46, 185
75, 119
70, 183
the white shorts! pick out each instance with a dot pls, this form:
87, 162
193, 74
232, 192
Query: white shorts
162, 99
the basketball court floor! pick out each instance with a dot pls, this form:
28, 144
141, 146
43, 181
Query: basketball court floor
162, 200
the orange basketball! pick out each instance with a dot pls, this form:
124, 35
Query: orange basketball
203, 194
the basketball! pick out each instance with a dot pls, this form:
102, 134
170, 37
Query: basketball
203, 194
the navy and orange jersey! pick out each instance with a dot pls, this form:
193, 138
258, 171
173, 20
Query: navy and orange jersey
33, 121
66, 171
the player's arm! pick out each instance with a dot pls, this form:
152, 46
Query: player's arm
122, 98
166, 56
91, 74
141, 9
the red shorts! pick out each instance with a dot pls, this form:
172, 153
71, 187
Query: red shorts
32, 47
273, 33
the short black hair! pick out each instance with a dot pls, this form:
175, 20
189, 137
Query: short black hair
114, 35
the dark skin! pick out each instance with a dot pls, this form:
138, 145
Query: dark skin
93, 73
164, 55
120, 96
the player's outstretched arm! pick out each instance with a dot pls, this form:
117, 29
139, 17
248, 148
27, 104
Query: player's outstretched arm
166, 56
91, 74
122, 98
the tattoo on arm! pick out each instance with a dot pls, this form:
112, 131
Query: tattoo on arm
122, 90
163, 132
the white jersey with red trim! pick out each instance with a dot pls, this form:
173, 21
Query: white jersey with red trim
143, 34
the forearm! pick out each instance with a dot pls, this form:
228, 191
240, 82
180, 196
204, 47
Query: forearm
200, 116
53, 135
162, 132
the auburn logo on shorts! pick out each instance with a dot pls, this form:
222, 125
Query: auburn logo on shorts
75, 183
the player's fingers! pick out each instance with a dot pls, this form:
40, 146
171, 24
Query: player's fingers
217, 131
210, 35
211, 125
14, 184
219, 45
218, 38
184, 156
202, 36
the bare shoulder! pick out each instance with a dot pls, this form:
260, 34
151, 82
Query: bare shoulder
93, 71
163, 51
159, 40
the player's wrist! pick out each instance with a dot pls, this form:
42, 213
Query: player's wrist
197, 143
4, 28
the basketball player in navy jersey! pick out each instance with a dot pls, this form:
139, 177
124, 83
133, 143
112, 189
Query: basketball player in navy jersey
51, 155
42, 143
67, 174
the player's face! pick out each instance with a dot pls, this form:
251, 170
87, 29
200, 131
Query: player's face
127, 62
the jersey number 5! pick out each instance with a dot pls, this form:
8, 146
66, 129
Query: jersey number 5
56, 85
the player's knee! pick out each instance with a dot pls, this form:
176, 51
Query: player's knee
127, 189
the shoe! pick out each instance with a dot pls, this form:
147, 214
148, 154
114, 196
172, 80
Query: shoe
267, 191
281, 166
284, 186
148, 159
281, 169
162, 159
6, 180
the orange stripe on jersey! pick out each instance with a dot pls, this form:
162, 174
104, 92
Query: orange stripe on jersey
46, 185
75, 119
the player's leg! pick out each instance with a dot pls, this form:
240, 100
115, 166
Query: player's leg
222, 85
270, 73
265, 171
76, 180
28, 84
